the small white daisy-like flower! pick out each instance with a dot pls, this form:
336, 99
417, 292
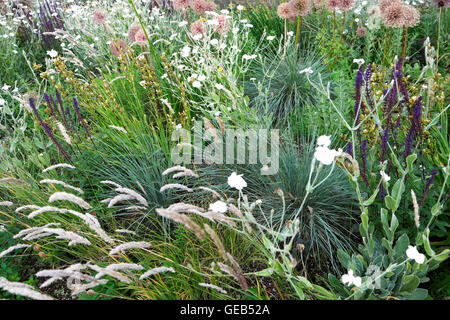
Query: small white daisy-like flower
218, 206
413, 253
52, 53
236, 181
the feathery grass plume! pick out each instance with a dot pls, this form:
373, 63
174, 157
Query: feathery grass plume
208, 285
124, 266
64, 196
239, 214
183, 219
111, 183
178, 168
22, 289
215, 193
62, 183
184, 207
220, 217
129, 245
118, 128
58, 165
6, 203
14, 181
238, 270
119, 198
63, 132
114, 274
118, 47
125, 231
12, 248
80, 288
416, 209
27, 231
216, 240
175, 186
67, 235
154, 271
134, 194
187, 173
135, 208
89, 219
228, 270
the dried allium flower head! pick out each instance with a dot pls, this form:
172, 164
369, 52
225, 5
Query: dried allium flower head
224, 24
361, 32
442, 3
319, 3
180, 4
197, 27
201, 6
345, 5
412, 16
374, 11
99, 16
135, 27
394, 15
286, 10
302, 7
332, 5
140, 37
384, 4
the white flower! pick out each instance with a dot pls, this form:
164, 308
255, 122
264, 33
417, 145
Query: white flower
2, 102
219, 86
240, 7
218, 206
196, 84
185, 51
324, 141
412, 253
5, 87
182, 23
248, 25
270, 38
248, 57
290, 34
384, 176
358, 61
349, 279
224, 11
236, 181
201, 77
178, 126
235, 30
324, 155
307, 70
52, 53
197, 36
222, 46
214, 42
